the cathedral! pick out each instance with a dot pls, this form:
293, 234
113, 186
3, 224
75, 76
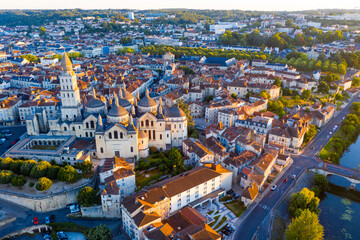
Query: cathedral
123, 126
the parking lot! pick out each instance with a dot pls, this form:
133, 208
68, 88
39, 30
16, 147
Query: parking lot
15, 131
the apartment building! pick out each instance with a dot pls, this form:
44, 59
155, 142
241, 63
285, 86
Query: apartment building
157, 202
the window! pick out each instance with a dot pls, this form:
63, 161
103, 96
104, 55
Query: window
147, 122
152, 123
87, 125
73, 128
160, 136
116, 135
92, 124
86, 134
65, 129
142, 123
131, 149
121, 135
110, 135
102, 150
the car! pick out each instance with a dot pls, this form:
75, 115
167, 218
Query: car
273, 187
74, 208
47, 220
8, 135
312, 148
35, 221
330, 133
285, 180
52, 218
293, 177
230, 192
5, 130
61, 235
344, 118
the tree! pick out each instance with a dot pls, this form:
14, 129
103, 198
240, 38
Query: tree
85, 166
209, 98
305, 199
6, 176
26, 167
5, 163
42, 31
323, 87
15, 166
305, 226
18, 181
356, 82
321, 182
277, 82
52, 172
86, 196
310, 133
43, 184
264, 94
276, 107
123, 51
100, 232
31, 58
306, 94
185, 107
233, 95
40, 169
68, 174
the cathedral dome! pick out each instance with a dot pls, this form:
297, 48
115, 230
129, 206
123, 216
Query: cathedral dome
94, 103
128, 96
147, 101
172, 112
116, 110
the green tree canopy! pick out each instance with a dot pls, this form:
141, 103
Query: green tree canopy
86, 196
43, 184
68, 174
40, 169
100, 232
305, 227
305, 199
6, 176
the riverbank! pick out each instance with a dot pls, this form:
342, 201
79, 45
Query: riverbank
345, 136
340, 208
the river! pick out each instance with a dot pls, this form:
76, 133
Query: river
351, 157
340, 210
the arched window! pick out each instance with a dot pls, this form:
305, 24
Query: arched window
116, 135
147, 122
91, 134
87, 125
152, 123
142, 123
86, 134
65, 129
101, 150
121, 135
110, 135
131, 149
92, 125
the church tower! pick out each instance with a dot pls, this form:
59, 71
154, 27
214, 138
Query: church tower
70, 94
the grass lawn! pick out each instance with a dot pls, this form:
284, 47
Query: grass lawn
142, 180
329, 147
225, 198
215, 220
223, 219
38, 147
290, 102
237, 207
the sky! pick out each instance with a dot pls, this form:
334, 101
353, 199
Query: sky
261, 5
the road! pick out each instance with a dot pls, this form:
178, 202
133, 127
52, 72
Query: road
255, 221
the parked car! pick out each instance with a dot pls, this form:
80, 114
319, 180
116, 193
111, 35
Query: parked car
8, 135
229, 192
52, 218
5, 130
74, 208
35, 221
47, 236
47, 220
61, 235
273, 187
293, 177
285, 180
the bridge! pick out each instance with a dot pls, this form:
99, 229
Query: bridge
349, 175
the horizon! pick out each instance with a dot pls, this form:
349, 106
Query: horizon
260, 5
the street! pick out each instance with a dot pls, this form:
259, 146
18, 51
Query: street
254, 222
16, 132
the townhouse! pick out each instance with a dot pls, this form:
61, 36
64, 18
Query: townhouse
197, 154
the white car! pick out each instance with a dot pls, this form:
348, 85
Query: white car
273, 187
